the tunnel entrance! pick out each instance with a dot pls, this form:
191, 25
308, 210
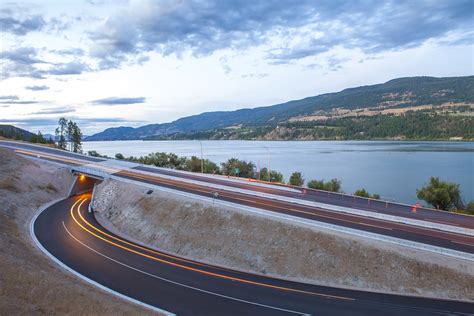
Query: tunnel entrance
83, 183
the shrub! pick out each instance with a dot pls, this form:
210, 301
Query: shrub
296, 179
441, 194
334, 185
364, 193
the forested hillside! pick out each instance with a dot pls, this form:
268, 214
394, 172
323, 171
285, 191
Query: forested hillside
396, 97
9, 131
413, 126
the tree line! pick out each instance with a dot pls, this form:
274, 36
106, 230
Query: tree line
18, 134
68, 135
437, 193
419, 125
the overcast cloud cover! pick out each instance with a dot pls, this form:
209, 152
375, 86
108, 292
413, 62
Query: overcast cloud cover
110, 63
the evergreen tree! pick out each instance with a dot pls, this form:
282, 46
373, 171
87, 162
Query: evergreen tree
40, 138
69, 133
76, 138
61, 132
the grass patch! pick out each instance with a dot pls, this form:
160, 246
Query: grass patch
7, 183
48, 187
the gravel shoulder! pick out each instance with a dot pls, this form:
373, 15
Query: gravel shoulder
233, 238
30, 283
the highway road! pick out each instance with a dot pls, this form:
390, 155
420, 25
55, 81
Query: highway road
184, 287
383, 207
434, 237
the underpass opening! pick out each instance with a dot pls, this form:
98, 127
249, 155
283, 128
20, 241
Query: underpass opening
83, 183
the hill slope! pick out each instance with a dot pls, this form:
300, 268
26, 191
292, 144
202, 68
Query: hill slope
401, 94
10, 131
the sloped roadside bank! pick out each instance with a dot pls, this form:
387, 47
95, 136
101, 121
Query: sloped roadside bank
233, 238
30, 283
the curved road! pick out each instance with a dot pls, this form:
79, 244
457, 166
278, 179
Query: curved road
71, 234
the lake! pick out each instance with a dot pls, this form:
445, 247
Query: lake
393, 169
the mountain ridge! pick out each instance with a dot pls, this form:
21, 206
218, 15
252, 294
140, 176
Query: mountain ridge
406, 92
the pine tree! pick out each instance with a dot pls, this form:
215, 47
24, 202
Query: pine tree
60, 133
76, 138
40, 138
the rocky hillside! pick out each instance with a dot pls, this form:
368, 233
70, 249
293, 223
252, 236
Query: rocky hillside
393, 97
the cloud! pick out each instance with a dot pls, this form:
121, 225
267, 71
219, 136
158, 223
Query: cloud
378, 27
69, 51
31, 121
293, 29
13, 99
52, 122
118, 101
37, 88
24, 62
255, 75
8, 97
19, 25
18, 102
59, 110
22, 55
72, 68
21, 62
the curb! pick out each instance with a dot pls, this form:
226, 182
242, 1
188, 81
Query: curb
77, 274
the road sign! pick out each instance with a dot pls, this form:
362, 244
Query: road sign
236, 170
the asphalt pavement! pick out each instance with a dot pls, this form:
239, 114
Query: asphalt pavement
185, 287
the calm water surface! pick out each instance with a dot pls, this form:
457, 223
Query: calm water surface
393, 169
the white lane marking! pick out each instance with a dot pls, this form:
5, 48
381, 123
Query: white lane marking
441, 222
462, 243
177, 283
80, 276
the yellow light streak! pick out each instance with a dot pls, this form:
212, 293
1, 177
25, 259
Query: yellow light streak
199, 270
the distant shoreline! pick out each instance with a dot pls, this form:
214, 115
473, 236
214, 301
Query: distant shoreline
295, 140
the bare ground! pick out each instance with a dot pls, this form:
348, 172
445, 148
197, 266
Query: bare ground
30, 283
236, 239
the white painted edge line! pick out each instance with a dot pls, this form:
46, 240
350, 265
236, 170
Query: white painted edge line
92, 168
177, 283
77, 274
312, 223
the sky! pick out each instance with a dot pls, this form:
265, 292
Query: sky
130, 63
